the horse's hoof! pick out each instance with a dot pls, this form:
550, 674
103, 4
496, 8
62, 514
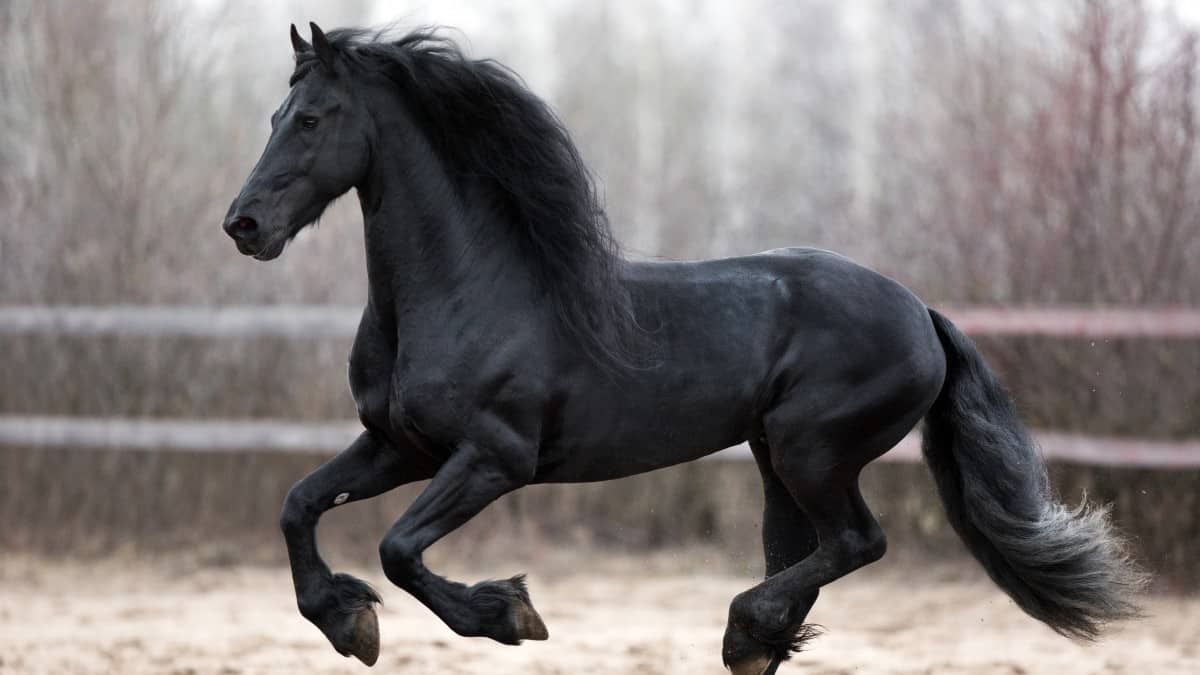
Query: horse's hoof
757, 665
505, 612
364, 641
529, 624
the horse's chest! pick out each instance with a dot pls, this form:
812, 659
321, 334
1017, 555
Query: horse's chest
384, 405
402, 406
370, 376
371, 392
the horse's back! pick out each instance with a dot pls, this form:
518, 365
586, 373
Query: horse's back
795, 295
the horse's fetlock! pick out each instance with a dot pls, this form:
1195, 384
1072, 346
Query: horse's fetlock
744, 610
311, 605
769, 617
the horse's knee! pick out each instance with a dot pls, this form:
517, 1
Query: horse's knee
297, 513
399, 557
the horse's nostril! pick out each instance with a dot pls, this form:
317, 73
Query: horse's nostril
241, 226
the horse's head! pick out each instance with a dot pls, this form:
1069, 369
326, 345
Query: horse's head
318, 149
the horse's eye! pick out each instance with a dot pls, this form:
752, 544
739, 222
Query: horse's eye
308, 122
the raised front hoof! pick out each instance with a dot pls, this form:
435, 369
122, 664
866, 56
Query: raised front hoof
362, 636
344, 611
507, 613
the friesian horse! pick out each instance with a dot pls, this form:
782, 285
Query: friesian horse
506, 342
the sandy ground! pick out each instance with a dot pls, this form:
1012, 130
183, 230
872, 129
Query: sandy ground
621, 617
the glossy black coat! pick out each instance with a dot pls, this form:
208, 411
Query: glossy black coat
504, 343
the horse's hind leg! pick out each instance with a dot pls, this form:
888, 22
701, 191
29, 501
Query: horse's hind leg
766, 623
788, 537
339, 604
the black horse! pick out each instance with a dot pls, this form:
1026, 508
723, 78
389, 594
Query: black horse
505, 342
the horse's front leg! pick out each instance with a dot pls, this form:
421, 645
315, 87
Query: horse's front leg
339, 604
467, 482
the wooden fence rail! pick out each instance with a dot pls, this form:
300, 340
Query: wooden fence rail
115, 433
342, 320
309, 321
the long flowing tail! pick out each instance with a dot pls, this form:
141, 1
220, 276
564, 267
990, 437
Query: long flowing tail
1064, 567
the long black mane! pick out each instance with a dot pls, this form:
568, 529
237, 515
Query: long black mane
493, 134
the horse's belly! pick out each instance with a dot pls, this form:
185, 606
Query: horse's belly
650, 439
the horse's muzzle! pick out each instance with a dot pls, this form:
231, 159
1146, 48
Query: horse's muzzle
250, 239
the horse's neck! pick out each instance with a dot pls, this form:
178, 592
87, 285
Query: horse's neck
423, 246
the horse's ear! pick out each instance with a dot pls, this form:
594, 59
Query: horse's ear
321, 45
298, 43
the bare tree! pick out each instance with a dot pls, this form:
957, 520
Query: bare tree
1048, 171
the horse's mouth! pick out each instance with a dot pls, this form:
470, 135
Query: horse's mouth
265, 251
272, 250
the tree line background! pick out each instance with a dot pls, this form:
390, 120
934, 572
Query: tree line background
1017, 152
